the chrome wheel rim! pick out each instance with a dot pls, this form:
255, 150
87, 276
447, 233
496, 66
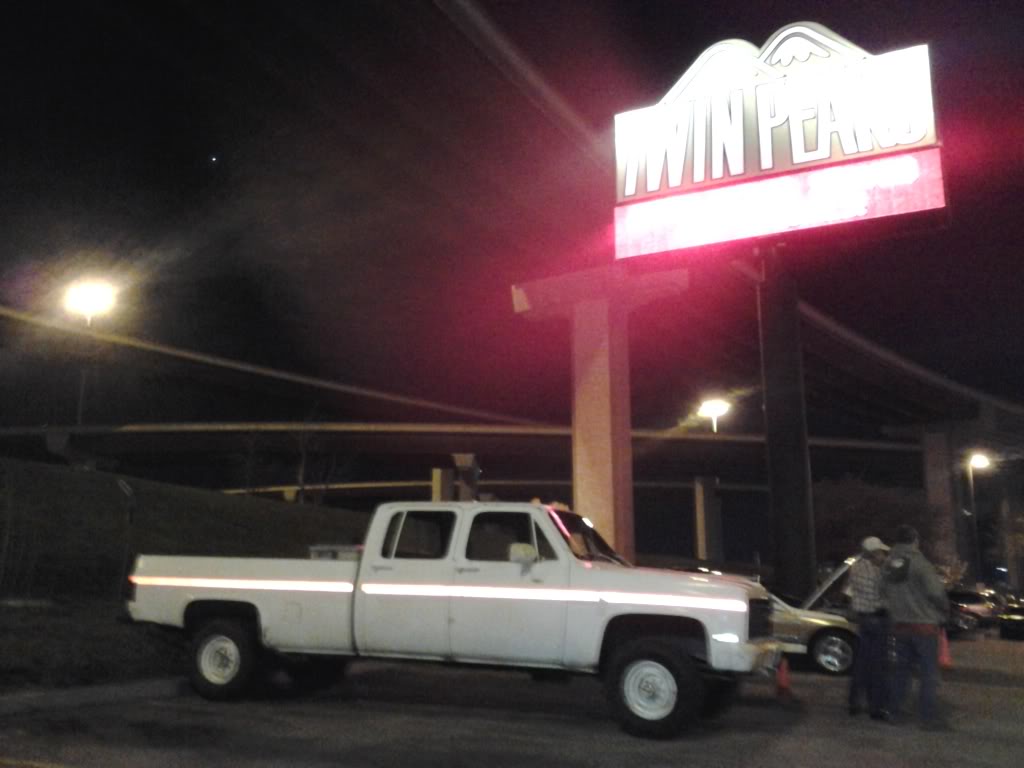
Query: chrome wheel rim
649, 690
834, 654
219, 659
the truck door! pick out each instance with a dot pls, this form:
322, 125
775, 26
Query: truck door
403, 606
507, 611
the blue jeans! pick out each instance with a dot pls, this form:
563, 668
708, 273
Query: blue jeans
924, 650
869, 675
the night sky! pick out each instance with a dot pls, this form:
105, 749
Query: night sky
349, 189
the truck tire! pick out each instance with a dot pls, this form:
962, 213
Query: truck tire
223, 659
653, 687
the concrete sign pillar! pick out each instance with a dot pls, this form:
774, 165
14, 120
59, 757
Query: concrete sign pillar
598, 302
602, 457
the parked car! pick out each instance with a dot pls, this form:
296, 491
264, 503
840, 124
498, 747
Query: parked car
1011, 621
960, 620
983, 605
828, 638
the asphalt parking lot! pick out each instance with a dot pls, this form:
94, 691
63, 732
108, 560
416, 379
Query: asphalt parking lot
393, 714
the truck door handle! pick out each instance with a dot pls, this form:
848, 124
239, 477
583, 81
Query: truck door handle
382, 567
467, 569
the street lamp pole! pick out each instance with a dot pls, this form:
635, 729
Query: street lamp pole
89, 299
976, 461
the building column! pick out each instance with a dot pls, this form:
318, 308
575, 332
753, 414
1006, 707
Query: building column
1011, 526
707, 520
948, 535
602, 451
442, 484
467, 471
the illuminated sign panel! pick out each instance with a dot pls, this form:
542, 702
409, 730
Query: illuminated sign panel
738, 144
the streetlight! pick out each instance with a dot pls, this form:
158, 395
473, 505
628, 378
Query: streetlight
88, 298
713, 409
982, 462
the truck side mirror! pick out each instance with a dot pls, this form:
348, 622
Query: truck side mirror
522, 553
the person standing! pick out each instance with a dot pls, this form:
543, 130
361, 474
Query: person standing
868, 676
916, 599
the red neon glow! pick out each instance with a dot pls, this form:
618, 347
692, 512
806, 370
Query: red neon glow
556, 595
257, 584
559, 523
870, 189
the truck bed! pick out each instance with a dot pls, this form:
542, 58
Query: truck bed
304, 605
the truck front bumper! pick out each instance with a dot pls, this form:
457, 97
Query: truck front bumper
751, 657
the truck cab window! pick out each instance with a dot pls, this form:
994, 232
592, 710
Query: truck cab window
544, 549
419, 535
391, 535
493, 533
584, 541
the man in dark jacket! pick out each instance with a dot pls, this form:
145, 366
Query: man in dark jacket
916, 600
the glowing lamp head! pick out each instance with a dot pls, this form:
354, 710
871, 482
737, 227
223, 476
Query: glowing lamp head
980, 461
90, 298
714, 410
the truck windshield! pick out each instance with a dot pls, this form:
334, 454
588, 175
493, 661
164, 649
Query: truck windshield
583, 539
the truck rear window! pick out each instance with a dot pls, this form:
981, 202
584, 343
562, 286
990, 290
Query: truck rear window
419, 535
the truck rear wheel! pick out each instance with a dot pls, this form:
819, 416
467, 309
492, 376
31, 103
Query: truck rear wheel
223, 659
654, 688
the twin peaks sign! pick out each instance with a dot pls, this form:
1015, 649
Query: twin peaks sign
807, 131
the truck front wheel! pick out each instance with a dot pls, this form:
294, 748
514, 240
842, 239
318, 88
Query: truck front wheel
223, 659
653, 687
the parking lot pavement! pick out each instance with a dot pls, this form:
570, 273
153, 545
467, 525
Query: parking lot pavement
49, 700
390, 714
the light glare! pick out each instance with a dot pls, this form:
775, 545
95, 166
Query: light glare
90, 298
713, 409
980, 461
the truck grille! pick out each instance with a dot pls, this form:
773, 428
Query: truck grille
759, 619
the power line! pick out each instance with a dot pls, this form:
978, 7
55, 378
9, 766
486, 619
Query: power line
255, 370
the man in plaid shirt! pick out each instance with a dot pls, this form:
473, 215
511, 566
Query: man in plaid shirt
868, 675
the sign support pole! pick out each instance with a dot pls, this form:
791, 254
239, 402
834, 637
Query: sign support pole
785, 416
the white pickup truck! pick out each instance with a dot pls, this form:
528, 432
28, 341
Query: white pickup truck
509, 584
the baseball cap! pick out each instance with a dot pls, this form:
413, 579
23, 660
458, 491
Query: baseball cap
873, 544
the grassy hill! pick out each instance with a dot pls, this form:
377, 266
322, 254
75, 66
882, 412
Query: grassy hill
69, 533
67, 537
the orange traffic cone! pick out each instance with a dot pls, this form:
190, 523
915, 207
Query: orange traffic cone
782, 689
945, 657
